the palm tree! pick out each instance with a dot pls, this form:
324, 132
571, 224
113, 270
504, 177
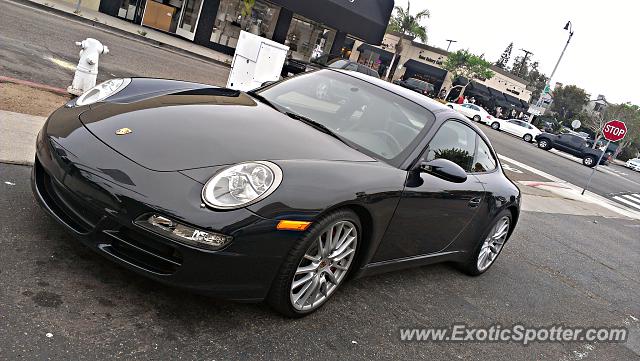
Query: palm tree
407, 25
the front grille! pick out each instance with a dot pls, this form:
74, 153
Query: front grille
63, 204
144, 251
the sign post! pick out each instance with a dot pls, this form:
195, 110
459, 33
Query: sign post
612, 131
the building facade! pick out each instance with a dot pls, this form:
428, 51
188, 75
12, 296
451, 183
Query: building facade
307, 27
426, 62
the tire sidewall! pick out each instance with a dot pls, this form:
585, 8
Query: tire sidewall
278, 296
527, 136
495, 126
476, 118
545, 146
593, 161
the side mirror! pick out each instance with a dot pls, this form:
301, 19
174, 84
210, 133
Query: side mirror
445, 169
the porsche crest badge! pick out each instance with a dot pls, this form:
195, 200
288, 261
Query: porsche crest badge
123, 131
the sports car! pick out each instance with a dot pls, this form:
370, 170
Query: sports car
278, 194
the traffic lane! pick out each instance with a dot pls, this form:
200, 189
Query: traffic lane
29, 42
603, 183
555, 269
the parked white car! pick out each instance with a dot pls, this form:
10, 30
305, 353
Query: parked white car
472, 111
517, 127
633, 164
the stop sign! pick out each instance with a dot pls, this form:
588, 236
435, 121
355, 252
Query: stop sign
614, 130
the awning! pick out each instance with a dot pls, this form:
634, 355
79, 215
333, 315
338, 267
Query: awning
499, 98
420, 67
366, 20
384, 55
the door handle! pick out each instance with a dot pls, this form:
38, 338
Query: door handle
474, 202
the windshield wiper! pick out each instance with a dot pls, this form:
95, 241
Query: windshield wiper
264, 100
321, 127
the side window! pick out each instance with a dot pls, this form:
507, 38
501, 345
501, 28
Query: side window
352, 66
456, 142
485, 161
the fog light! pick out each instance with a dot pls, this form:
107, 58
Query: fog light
182, 233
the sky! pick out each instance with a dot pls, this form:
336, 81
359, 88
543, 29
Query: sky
602, 57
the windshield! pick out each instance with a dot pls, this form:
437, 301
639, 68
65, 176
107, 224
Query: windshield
376, 121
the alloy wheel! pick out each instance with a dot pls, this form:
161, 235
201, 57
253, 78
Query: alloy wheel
588, 161
543, 144
476, 118
527, 138
324, 266
493, 243
495, 125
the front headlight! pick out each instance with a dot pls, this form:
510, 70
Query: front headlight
241, 185
102, 91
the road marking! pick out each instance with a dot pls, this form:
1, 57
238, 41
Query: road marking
61, 63
635, 197
575, 191
512, 169
628, 202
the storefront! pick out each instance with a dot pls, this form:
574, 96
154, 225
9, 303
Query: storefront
426, 72
309, 28
375, 58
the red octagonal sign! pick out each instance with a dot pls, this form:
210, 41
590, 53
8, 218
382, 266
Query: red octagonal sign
614, 130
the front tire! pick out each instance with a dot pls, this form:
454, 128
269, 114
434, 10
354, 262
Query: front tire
317, 265
476, 118
495, 126
489, 246
589, 161
544, 144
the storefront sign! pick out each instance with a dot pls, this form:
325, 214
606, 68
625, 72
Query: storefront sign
513, 91
430, 60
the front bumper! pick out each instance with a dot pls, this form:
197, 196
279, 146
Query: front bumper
99, 194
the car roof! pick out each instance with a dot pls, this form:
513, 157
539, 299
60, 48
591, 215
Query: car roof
424, 101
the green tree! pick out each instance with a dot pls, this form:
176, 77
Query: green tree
505, 57
568, 102
520, 67
462, 63
407, 25
537, 80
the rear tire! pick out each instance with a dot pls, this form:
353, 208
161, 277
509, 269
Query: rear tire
527, 138
476, 118
489, 246
295, 266
495, 126
589, 161
544, 144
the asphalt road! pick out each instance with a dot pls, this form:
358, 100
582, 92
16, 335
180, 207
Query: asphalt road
549, 273
612, 179
35, 45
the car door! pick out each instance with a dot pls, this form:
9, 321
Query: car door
466, 110
432, 211
513, 126
564, 143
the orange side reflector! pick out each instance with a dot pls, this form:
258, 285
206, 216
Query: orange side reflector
293, 225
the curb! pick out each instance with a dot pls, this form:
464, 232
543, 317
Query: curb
14, 162
6, 79
120, 32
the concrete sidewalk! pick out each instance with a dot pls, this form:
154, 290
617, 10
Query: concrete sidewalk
124, 28
18, 134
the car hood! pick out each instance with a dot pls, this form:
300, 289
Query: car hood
205, 127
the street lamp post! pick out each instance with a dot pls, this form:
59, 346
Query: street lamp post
450, 41
569, 27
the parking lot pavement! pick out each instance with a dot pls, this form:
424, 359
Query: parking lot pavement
61, 301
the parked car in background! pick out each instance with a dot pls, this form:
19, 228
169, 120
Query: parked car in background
472, 111
574, 145
346, 64
417, 85
517, 127
633, 164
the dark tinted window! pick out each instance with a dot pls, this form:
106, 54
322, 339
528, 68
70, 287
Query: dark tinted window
456, 142
352, 66
338, 64
484, 159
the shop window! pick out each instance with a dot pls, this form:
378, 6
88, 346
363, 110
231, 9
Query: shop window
233, 16
162, 15
309, 40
